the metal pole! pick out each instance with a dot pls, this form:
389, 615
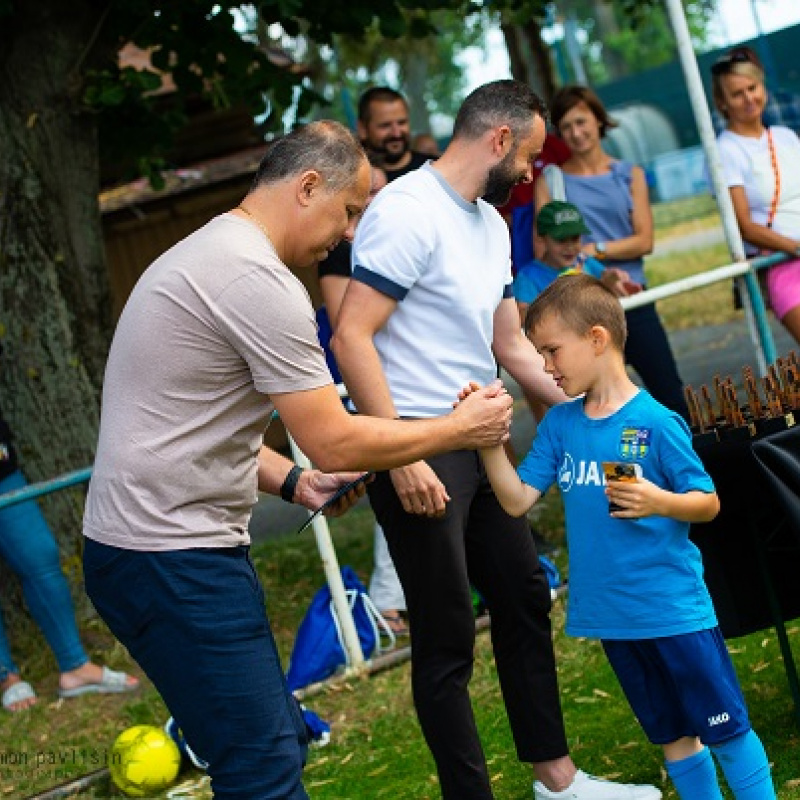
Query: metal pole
700, 280
755, 311
333, 574
34, 490
573, 48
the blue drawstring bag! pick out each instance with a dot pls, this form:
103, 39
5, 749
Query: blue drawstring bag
551, 570
317, 729
318, 650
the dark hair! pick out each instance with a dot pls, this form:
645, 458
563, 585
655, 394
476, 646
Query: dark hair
566, 98
503, 102
581, 302
325, 146
377, 94
740, 60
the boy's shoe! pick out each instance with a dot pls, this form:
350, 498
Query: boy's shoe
587, 787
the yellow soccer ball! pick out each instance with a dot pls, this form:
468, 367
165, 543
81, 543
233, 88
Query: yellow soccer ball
144, 759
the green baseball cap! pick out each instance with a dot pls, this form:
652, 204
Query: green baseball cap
560, 220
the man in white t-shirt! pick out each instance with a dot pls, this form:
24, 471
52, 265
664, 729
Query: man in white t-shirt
429, 309
216, 335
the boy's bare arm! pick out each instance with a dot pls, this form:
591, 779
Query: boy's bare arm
515, 496
644, 499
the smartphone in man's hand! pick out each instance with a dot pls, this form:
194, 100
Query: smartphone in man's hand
335, 497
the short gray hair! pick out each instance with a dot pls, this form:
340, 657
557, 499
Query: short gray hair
503, 102
325, 146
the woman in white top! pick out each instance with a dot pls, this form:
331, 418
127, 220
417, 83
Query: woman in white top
762, 170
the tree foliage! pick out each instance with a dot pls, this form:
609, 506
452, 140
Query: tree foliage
621, 37
65, 98
616, 37
424, 68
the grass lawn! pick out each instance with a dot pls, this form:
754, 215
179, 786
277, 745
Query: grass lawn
376, 749
677, 217
708, 306
711, 305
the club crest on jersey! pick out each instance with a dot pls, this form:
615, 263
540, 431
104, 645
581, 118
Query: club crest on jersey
634, 443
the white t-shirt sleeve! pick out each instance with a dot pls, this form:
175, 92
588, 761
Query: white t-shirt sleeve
735, 162
394, 241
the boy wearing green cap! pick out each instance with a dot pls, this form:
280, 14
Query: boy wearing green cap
560, 226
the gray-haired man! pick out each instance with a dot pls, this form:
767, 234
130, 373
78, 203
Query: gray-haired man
216, 335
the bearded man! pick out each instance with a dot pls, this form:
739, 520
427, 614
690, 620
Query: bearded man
429, 309
384, 129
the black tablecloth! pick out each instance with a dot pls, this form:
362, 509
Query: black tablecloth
758, 482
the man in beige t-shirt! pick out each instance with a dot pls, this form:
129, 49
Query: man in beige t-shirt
217, 334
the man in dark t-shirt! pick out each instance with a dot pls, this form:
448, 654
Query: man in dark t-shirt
384, 129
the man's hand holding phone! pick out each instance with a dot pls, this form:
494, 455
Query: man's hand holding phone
347, 488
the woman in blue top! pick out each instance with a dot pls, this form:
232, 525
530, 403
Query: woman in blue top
613, 199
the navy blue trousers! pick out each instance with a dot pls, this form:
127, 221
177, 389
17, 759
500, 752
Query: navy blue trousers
195, 622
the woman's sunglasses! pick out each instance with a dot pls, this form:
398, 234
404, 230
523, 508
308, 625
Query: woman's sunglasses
724, 64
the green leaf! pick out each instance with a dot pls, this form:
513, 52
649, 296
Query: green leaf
392, 24
112, 95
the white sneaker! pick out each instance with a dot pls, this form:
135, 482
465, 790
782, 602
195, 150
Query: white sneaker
587, 787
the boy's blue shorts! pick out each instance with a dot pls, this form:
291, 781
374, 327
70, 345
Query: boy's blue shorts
681, 686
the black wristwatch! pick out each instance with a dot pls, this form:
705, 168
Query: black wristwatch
289, 486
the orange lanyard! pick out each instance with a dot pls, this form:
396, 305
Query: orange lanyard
777, 172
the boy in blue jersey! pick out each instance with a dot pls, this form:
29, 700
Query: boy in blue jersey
560, 226
636, 581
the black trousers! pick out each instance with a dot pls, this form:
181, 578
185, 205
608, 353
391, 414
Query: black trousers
437, 559
648, 351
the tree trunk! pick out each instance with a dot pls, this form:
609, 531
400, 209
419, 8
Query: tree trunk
516, 58
55, 317
414, 69
529, 57
542, 63
606, 21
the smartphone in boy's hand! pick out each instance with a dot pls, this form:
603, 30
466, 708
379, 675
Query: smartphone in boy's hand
620, 471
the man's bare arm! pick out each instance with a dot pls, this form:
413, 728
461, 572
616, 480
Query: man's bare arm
517, 355
313, 487
336, 441
362, 314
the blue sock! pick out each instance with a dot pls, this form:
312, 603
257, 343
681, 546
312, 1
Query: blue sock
746, 768
695, 778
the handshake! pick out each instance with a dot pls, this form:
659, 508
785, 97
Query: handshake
485, 412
